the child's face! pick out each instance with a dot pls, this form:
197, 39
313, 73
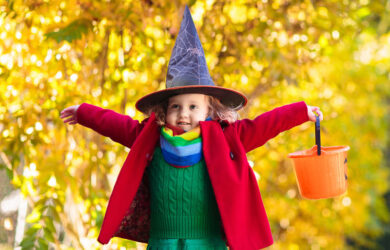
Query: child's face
187, 110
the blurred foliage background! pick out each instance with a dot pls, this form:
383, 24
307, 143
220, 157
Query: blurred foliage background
331, 54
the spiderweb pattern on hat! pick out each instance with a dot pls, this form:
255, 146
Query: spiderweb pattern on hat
187, 65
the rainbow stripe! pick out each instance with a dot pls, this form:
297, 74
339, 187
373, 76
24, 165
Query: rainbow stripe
181, 150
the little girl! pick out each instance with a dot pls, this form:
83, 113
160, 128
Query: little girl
186, 183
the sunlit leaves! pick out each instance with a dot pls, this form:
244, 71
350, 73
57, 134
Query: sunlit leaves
332, 54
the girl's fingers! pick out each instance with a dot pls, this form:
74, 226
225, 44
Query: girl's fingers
68, 110
314, 111
67, 116
318, 112
69, 120
63, 115
65, 110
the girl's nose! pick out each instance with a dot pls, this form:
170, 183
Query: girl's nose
183, 112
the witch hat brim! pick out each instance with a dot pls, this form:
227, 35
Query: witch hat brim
188, 72
228, 97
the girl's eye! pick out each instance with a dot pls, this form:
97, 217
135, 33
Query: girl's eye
174, 106
192, 106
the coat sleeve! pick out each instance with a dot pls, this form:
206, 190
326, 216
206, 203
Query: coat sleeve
254, 133
120, 128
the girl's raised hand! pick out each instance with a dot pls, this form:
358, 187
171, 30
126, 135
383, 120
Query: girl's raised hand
69, 115
312, 111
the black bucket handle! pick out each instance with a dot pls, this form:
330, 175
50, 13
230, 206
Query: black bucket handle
318, 136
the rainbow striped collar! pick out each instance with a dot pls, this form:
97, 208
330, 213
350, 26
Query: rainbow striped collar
182, 150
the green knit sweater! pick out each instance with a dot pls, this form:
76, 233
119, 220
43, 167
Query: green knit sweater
183, 204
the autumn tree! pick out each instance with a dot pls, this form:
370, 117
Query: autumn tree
332, 54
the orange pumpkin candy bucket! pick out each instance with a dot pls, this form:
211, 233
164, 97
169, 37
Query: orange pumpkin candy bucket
321, 172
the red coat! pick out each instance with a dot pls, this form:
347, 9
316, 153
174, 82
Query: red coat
224, 148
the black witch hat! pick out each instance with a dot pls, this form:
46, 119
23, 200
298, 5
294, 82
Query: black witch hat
188, 72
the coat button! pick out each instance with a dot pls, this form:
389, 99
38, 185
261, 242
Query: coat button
232, 155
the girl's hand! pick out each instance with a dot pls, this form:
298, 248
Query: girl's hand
311, 113
69, 115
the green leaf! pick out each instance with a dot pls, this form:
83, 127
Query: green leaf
43, 244
11, 5
32, 230
28, 243
53, 212
99, 219
73, 31
191, 2
49, 224
10, 173
48, 235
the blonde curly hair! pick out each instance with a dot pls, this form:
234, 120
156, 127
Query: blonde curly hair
218, 111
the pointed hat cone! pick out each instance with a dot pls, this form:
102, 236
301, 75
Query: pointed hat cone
188, 63
188, 72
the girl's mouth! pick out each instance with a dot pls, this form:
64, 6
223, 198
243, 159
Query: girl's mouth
183, 123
